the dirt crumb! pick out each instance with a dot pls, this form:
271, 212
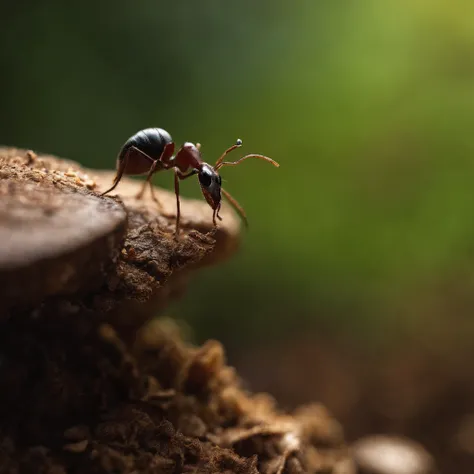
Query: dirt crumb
79, 400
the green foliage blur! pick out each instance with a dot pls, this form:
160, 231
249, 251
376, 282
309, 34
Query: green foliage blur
367, 227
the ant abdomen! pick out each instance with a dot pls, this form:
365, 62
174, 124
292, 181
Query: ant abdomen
142, 149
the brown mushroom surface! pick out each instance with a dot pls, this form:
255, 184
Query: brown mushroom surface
60, 237
88, 385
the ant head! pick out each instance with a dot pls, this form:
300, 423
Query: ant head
210, 182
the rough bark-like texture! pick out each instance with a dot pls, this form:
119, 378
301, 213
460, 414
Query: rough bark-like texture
86, 386
61, 238
80, 401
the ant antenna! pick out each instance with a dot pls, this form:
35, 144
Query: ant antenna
220, 163
238, 144
234, 163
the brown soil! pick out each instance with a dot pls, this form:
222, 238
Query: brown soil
89, 383
77, 400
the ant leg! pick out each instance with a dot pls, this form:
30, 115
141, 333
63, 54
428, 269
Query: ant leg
123, 165
166, 155
161, 162
117, 179
153, 195
119, 174
214, 222
177, 176
217, 213
184, 176
178, 207
147, 181
214, 214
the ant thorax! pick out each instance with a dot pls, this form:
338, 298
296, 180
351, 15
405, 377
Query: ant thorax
188, 156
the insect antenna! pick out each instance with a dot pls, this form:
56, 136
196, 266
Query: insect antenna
238, 144
220, 164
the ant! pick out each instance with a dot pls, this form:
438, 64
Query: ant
151, 150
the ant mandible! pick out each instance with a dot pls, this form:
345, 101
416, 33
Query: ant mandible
151, 150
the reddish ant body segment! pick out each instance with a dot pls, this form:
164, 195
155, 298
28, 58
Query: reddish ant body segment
151, 150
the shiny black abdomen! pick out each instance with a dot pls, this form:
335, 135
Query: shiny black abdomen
151, 142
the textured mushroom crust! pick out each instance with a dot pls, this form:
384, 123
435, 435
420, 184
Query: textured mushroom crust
60, 237
87, 386
160, 405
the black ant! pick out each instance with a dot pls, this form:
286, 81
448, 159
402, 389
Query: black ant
151, 150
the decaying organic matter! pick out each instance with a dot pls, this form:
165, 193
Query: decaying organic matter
90, 383
79, 400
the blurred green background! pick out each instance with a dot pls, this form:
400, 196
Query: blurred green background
366, 232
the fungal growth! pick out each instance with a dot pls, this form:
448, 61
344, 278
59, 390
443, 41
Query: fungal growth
152, 150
